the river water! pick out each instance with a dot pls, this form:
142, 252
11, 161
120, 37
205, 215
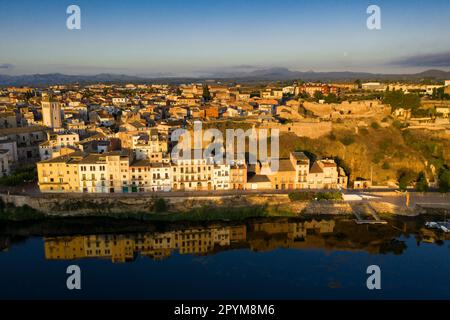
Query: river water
315, 258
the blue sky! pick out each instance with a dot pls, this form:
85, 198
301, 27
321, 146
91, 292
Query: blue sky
193, 37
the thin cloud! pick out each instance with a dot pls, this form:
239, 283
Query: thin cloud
244, 66
6, 66
424, 60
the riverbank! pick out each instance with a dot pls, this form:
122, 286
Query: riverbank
213, 207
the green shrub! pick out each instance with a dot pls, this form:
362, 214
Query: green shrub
160, 205
377, 157
302, 196
310, 195
364, 131
12, 213
329, 195
20, 176
375, 125
347, 140
398, 124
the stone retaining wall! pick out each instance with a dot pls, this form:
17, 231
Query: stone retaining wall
79, 204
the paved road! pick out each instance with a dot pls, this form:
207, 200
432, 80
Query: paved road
385, 195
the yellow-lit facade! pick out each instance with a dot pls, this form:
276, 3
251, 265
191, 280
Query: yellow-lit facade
197, 241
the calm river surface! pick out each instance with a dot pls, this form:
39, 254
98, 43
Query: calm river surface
316, 258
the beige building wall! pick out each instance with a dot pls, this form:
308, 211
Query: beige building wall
58, 176
118, 167
93, 174
51, 114
193, 174
238, 177
5, 168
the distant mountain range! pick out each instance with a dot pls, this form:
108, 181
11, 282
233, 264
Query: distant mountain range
274, 74
58, 78
271, 74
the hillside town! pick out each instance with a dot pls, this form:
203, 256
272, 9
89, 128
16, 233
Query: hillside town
106, 138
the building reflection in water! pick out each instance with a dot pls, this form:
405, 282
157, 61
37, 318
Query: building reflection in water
198, 241
256, 236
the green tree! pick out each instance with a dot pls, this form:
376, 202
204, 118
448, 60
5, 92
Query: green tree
398, 99
422, 183
404, 178
304, 95
332, 98
20, 176
318, 95
444, 179
411, 101
206, 93
439, 94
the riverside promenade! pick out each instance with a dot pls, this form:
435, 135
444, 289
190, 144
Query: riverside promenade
363, 204
375, 195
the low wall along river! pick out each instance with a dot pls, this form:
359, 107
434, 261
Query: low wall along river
63, 205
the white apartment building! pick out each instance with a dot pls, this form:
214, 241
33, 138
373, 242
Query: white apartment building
160, 177
373, 86
289, 90
193, 173
118, 101
93, 174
